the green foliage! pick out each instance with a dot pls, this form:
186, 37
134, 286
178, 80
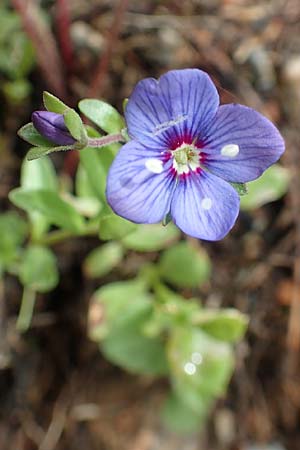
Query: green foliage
13, 231
16, 56
48, 203
225, 324
53, 103
115, 227
75, 126
185, 266
200, 366
38, 270
102, 260
150, 238
180, 417
102, 114
127, 306
271, 186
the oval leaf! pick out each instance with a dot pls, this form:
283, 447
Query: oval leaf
149, 238
102, 114
185, 266
38, 270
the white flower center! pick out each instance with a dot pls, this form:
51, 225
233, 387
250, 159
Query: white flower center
230, 150
185, 158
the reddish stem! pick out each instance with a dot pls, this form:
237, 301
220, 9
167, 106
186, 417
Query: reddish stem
47, 54
97, 84
63, 22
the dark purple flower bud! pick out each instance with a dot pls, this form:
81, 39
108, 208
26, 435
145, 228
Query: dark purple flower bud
52, 126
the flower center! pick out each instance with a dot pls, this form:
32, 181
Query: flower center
186, 158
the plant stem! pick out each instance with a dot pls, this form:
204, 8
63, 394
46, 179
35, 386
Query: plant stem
44, 43
105, 140
26, 310
57, 236
98, 82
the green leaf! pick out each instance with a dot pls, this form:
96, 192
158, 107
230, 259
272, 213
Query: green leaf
118, 314
226, 325
149, 238
102, 260
83, 187
38, 269
38, 152
102, 114
271, 186
50, 205
185, 266
13, 231
53, 103
180, 418
127, 347
114, 302
17, 91
75, 126
241, 188
38, 174
200, 366
114, 227
31, 135
95, 171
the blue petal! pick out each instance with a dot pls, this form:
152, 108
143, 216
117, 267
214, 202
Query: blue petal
204, 206
177, 106
259, 143
140, 184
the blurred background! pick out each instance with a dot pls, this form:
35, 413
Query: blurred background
57, 391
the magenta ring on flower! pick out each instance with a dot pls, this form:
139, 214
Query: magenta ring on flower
184, 153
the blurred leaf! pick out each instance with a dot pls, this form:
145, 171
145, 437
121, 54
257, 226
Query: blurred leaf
95, 171
31, 135
102, 114
182, 419
185, 266
13, 231
83, 187
149, 238
102, 260
17, 91
226, 324
49, 204
200, 366
38, 269
115, 227
271, 186
75, 126
112, 304
53, 103
38, 174
117, 316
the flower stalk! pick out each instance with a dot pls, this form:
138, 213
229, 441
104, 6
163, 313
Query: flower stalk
106, 140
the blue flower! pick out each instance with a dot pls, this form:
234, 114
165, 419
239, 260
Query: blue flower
52, 126
184, 153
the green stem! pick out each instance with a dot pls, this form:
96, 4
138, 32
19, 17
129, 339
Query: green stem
57, 236
26, 310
